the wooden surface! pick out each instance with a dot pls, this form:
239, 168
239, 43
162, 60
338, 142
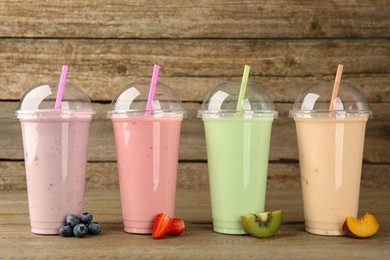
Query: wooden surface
199, 44
194, 19
198, 241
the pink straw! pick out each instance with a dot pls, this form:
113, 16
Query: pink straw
152, 90
61, 86
336, 87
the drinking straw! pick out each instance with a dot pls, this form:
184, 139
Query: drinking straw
244, 82
152, 90
336, 87
61, 86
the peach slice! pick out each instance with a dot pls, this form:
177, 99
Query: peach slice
363, 227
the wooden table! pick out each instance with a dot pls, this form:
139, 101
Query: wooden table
198, 241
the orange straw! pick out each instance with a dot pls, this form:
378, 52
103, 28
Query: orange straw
336, 87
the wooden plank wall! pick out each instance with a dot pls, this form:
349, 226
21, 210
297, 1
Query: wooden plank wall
199, 44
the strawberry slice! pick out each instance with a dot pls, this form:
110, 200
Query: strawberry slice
162, 224
177, 228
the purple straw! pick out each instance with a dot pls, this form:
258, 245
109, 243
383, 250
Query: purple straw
152, 90
61, 86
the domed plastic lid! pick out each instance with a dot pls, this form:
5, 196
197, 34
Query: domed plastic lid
314, 101
222, 102
132, 101
41, 98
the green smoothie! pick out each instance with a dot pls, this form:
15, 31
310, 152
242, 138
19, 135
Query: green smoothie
237, 150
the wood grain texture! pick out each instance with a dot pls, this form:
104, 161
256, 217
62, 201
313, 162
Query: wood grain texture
193, 67
199, 44
198, 240
194, 19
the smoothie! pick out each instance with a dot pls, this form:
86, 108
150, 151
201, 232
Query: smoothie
237, 151
147, 155
330, 156
55, 153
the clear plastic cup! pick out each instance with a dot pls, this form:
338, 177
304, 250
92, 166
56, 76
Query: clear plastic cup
55, 143
237, 150
147, 150
330, 154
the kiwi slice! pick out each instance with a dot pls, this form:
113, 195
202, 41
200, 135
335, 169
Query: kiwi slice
263, 224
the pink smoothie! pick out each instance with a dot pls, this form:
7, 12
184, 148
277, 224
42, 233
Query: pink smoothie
55, 153
147, 154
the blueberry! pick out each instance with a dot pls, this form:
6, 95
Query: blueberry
80, 230
66, 231
94, 228
86, 218
72, 220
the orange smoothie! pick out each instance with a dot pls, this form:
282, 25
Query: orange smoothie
330, 156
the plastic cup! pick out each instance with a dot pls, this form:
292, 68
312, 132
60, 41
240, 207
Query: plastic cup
237, 150
147, 150
55, 143
330, 154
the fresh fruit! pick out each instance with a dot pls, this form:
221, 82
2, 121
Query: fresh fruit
86, 218
72, 220
363, 227
263, 224
80, 226
162, 224
177, 228
80, 230
66, 231
165, 225
94, 228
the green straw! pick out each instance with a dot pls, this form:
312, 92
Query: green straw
244, 82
